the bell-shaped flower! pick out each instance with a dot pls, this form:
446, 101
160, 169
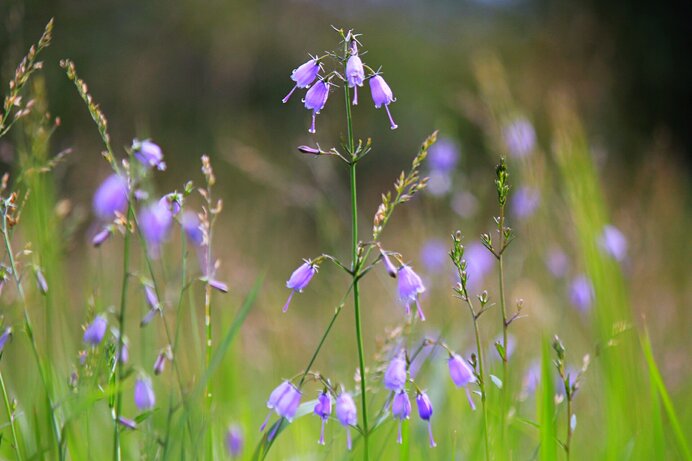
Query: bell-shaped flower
382, 96
284, 400
111, 198
155, 223
396, 374
303, 76
145, 398
315, 100
460, 372
425, 411
355, 75
149, 154
299, 280
323, 409
96, 330
346, 413
401, 409
410, 286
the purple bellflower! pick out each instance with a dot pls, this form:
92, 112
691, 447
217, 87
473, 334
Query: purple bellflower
6, 335
173, 202
346, 413
144, 394
149, 154
155, 222
401, 409
525, 202
111, 198
581, 293
315, 100
323, 409
425, 411
190, 223
101, 236
395, 376
355, 75
443, 156
382, 96
127, 422
389, 267
434, 255
96, 330
124, 355
299, 280
234, 441
613, 242
160, 362
303, 76
410, 286
462, 375
519, 137
284, 400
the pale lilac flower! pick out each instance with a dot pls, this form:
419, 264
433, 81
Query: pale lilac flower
173, 202
389, 267
145, 398
160, 362
6, 335
410, 286
299, 280
155, 222
101, 236
439, 183
124, 355
234, 440
303, 76
127, 422
479, 262
218, 285
355, 75
525, 202
581, 293
460, 372
443, 156
401, 409
395, 376
41, 281
309, 150
346, 413
382, 96
425, 411
96, 330
557, 262
519, 137
190, 223
613, 242
111, 198
434, 255
315, 100
323, 409
284, 400
149, 154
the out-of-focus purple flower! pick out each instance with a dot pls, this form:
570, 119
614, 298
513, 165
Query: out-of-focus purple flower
234, 440
190, 223
382, 96
149, 154
347, 414
155, 222
479, 262
6, 335
173, 202
127, 422
401, 409
531, 379
355, 75
410, 286
96, 330
315, 100
299, 280
101, 236
443, 156
152, 299
145, 398
525, 202
613, 242
557, 262
439, 183
323, 409
395, 376
434, 255
284, 400
218, 285
465, 204
519, 137
425, 411
389, 267
581, 293
460, 372
41, 281
160, 362
110, 198
309, 150
124, 355
304, 75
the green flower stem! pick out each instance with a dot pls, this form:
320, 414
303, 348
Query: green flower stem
10, 416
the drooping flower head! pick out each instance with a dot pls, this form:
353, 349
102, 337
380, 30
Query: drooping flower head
425, 411
234, 440
410, 286
149, 154
155, 222
173, 202
460, 372
382, 96
315, 100
303, 76
111, 198
145, 398
581, 293
396, 374
284, 400
401, 409
96, 330
613, 242
519, 137
299, 280
355, 75
323, 409
389, 267
347, 414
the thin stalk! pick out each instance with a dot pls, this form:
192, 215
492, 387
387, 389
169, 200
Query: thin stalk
117, 455
30, 333
505, 325
208, 328
481, 382
569, 426
15, 441
355, 268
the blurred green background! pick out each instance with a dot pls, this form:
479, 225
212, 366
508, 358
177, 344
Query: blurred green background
604, 85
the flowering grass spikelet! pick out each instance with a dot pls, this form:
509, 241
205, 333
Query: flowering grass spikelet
382, 96
410, 286
149, 154
347, 414
315, 100
96, 330
110, 198
425, 411
323, 409
396, 374
145, 398
304, 75
300, 278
